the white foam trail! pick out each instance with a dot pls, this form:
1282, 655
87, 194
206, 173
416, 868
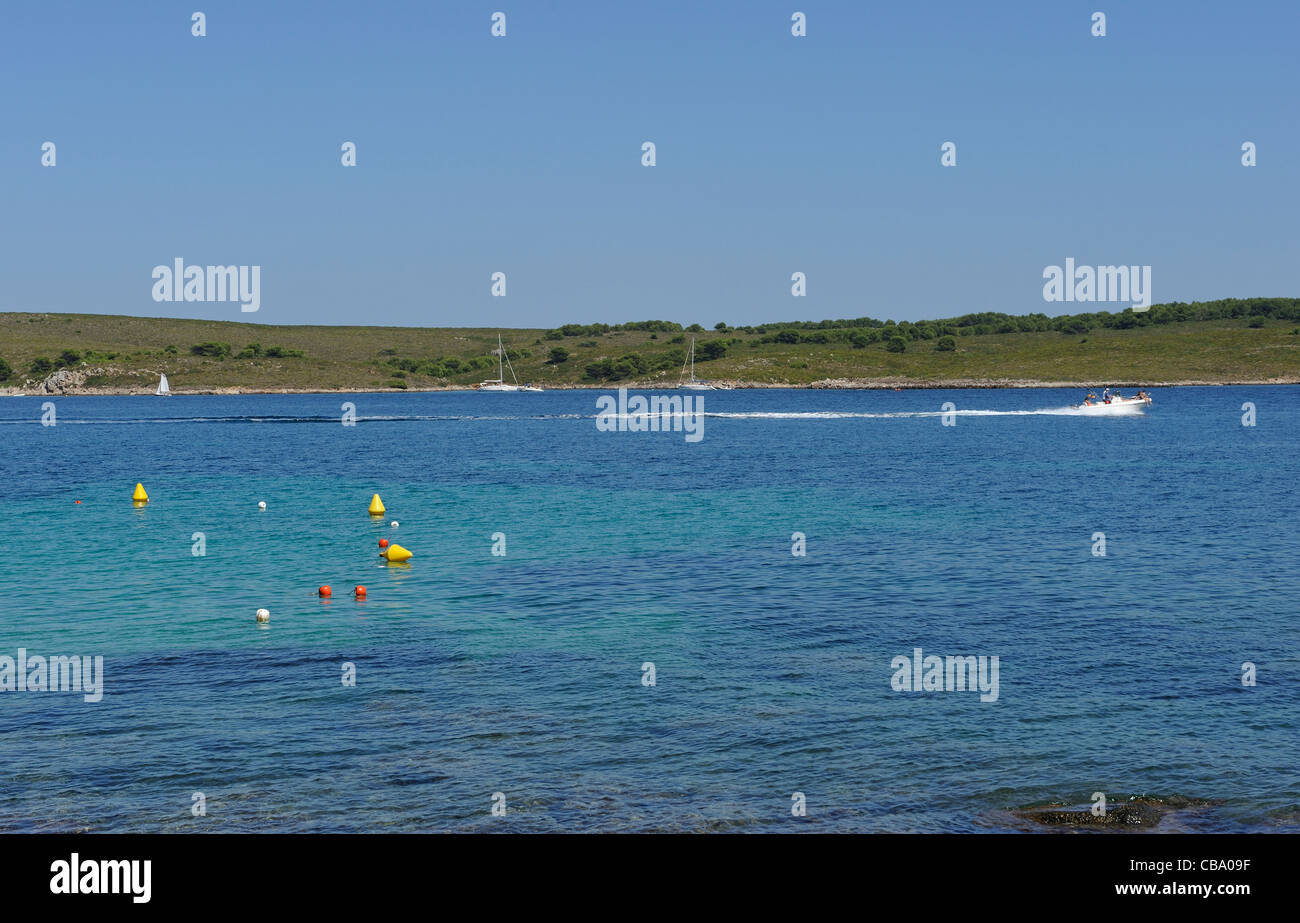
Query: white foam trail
846, 415
839, 415
750, 415
412, 418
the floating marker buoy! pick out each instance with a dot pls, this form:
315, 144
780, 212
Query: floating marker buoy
395, 553
261, 504
325, 591
263, 615
393, 523
359, 592
140, 496
376, 506
78, 501
383, 542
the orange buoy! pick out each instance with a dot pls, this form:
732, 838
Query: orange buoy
325, 591
78, 501
383, 542
359, 592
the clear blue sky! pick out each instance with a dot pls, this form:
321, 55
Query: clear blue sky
522, 154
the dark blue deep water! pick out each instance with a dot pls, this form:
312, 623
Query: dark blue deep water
522, 674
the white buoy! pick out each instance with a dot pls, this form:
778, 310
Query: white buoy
263, 615
261, 504
393, 523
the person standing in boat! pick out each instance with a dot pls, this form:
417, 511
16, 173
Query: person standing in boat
1105, 395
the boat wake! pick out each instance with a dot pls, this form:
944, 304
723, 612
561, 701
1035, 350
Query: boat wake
333, 419
472, 418
908, 414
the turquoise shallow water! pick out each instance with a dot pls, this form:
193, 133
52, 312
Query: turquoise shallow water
522, 674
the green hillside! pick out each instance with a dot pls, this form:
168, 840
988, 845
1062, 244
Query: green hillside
1225, 341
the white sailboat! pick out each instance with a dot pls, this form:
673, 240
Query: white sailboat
499, 383
163, 388
694, 384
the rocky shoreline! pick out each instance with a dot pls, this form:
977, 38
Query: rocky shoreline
1140, 813
1000, 383
72, 383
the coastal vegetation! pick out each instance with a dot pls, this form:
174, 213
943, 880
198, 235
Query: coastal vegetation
1254, 339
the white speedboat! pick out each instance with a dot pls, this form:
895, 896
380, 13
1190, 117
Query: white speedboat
1116, 406
693, 383
499, 383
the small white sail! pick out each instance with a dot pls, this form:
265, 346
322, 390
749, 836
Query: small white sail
693, 384
499, 383
163, 387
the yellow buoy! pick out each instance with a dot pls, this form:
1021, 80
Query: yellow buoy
376, 506
140, 496
395, 553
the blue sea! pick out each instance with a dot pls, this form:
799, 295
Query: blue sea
522, 679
